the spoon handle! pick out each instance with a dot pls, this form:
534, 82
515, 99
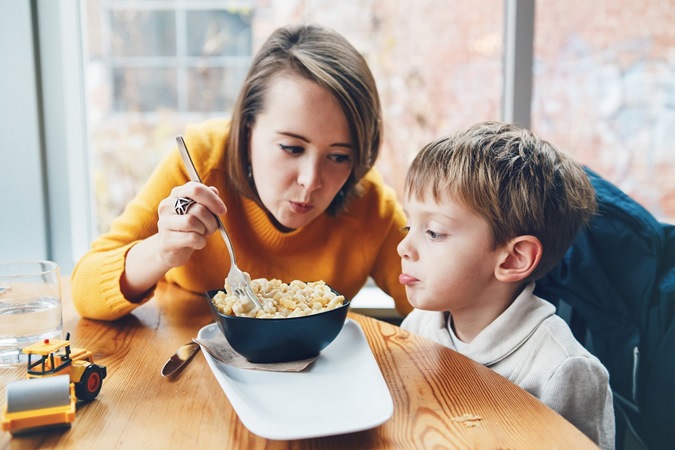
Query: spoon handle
179, 359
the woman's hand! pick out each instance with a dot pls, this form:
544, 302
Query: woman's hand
180, 235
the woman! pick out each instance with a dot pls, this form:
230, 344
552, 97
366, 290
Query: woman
290, 175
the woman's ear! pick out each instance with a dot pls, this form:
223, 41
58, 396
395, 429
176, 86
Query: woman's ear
520, 257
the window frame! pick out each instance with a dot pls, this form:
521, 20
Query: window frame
182, 62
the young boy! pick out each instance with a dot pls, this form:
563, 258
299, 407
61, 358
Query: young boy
490, 210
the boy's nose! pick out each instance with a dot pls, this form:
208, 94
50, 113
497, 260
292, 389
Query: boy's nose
403, 248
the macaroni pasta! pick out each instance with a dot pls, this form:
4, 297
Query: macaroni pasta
280, 300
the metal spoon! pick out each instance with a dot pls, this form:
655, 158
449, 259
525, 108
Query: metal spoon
179, 359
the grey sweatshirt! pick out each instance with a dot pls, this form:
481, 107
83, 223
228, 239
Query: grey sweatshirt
535, 349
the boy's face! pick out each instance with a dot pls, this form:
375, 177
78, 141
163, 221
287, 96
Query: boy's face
446, 258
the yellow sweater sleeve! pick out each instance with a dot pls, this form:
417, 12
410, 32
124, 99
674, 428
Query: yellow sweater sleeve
96, 277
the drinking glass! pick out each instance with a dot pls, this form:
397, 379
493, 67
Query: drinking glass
30, 307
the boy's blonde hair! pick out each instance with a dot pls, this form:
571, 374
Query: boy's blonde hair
519, 183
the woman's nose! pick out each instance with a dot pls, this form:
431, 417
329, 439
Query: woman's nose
309, 176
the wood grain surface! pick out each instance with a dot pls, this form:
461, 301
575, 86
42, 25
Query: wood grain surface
441, 398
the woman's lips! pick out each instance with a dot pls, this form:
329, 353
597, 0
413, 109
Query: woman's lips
301, 208
407, 280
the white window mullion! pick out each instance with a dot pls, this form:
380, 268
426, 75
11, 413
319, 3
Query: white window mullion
23, 217
518, 61
70, 203
181, 58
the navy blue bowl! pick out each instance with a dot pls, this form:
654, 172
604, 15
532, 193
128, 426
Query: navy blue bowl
280, 340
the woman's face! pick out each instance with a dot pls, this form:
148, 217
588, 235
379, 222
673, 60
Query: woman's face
301, 151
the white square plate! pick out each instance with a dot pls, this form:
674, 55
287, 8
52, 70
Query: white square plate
343, 391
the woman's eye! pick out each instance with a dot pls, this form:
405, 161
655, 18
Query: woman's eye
292, 149
406, 229
340, 158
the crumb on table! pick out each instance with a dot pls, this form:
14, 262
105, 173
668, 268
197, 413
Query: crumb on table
469, 420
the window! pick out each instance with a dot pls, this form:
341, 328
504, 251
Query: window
604, 90
154, 66
159, 55
151, 68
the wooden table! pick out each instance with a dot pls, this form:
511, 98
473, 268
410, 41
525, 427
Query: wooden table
137, 408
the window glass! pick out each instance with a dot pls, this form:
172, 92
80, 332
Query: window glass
213, 89
604, 90
142, 33
155, 66
144, 89
218, 33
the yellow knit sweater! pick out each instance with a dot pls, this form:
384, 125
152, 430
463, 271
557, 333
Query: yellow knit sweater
342, 250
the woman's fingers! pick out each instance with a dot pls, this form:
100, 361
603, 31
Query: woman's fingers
206, 204
186, 220
204, 195
179, 236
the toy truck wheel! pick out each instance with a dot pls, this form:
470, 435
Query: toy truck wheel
90, 384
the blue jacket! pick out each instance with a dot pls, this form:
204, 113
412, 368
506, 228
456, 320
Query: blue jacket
619, 277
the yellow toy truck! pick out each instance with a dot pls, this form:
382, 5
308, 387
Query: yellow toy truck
57, 376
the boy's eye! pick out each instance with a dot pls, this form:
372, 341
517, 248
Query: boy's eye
434, 235
292, 149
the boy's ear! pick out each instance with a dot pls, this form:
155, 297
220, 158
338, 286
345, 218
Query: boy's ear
520, 257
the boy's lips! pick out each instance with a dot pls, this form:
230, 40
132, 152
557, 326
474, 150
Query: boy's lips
407, 280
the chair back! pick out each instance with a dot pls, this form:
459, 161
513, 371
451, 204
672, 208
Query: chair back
619, 279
